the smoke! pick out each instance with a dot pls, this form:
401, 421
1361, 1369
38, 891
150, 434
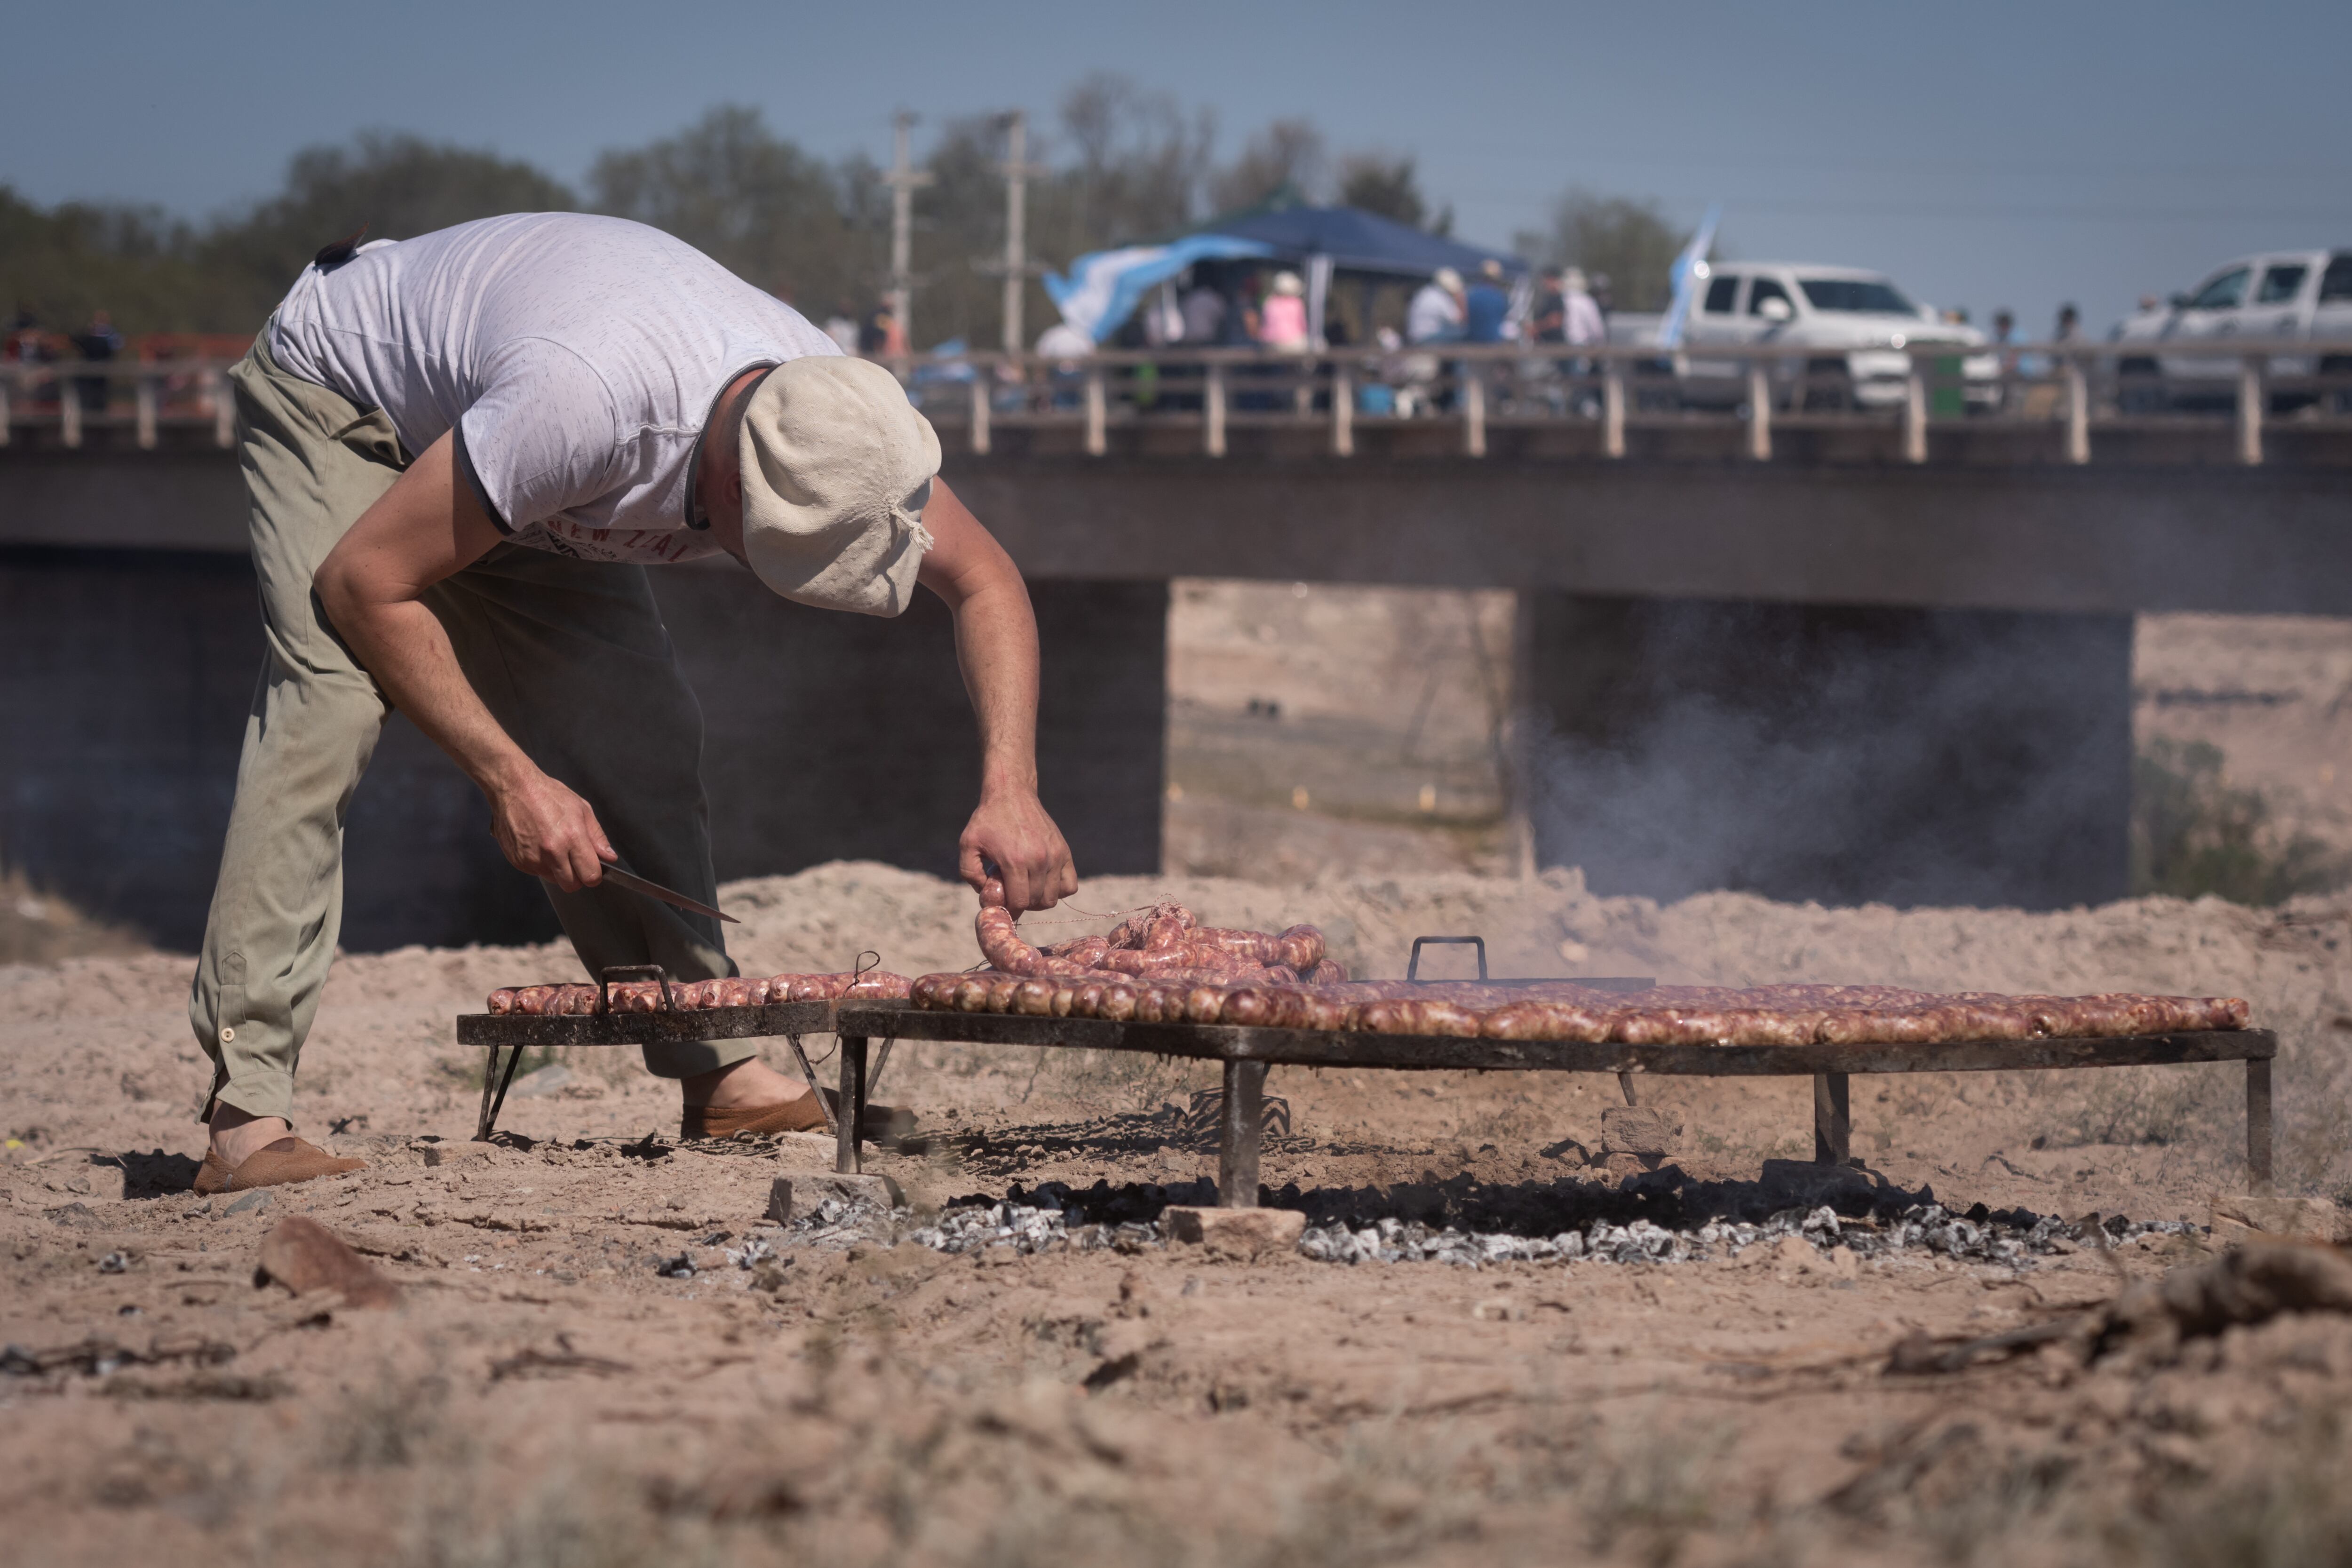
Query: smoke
1842, 755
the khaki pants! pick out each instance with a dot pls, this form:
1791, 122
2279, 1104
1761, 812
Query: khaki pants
569, 656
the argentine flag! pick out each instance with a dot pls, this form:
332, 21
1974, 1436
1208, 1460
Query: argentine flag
1104, 288
1689, 270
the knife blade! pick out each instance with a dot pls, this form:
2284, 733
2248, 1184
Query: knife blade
636, 884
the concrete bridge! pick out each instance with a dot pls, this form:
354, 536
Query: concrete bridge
1839, 673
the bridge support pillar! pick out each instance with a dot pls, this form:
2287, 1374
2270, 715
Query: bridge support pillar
835, 737
1838, 753
125, 675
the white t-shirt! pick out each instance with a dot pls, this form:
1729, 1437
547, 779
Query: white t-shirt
1434, 316
577, 357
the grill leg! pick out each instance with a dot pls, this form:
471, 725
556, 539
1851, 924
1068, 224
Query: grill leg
494, 1091
847, 1158
2258, 1120
800, 1055
1237, 1140
1833, 1120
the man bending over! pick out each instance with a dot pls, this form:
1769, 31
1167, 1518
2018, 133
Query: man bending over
462, 451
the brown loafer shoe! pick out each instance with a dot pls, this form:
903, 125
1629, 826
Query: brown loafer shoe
272, 1165
883, 1122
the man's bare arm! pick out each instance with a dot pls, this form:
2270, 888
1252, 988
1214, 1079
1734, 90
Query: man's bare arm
427, 527
996, 644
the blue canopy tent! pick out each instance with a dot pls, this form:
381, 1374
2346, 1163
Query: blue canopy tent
1103, 288
1355, 240
1321, 241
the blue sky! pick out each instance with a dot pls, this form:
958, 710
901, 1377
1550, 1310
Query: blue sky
1985, 154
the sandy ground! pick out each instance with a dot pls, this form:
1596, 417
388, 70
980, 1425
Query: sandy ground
545, 1395
552, 1390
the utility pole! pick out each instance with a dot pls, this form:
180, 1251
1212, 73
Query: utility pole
904, 179
1018, 171
1015, 269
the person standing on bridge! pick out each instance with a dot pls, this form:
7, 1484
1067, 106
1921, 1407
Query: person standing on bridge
461, 452
1486, 305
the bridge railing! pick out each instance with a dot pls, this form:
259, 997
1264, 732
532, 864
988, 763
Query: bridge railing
1457, 396
66, 401
2069, 391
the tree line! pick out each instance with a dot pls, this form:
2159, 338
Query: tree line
1123, 164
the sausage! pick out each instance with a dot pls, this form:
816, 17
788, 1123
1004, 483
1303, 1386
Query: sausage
1246, 1005
1311, 1008
1300, 947
1085, 952
1762, 1027
1210, 975
1250, 946
1166, 931
1421, 1016
1134, 932
1001, 943
1143, 965
1546, 1021
2213, 1012
725, 991
1203, 1004
880, 984
1675, 1027
1170, 1001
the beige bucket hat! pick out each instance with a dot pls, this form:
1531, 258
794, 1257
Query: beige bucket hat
837, 467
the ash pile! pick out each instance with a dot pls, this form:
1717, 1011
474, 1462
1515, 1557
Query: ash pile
1922, 1227
1056, 1218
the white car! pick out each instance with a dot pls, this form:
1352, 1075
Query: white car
2304, 294
1859, 320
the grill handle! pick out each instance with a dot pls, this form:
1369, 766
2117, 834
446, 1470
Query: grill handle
1412, 967
605, 979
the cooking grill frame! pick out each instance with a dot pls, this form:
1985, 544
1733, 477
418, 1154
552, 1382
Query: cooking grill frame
515, 1033
1246, 1053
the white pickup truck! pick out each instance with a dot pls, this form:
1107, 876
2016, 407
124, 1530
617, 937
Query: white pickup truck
2299, 294
1859, 320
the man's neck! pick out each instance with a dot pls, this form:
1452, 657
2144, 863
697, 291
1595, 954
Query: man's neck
718, 463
